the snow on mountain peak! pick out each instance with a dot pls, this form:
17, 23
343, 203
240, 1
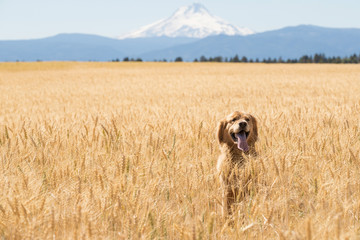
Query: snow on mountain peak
193, 21
195, 8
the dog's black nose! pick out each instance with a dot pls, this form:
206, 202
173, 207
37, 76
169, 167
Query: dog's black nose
242, 124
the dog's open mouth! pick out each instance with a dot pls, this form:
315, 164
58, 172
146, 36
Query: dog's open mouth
240, 139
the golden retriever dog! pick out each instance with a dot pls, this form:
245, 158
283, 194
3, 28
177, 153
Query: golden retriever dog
236, 134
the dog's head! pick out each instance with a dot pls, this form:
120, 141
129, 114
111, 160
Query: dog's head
238, 129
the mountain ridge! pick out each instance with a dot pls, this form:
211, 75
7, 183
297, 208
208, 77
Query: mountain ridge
288, 42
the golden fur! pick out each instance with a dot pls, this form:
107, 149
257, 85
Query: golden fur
232, 157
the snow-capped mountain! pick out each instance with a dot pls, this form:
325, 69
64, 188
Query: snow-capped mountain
192, 21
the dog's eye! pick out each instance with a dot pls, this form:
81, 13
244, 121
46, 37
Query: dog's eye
247, 119
233, 120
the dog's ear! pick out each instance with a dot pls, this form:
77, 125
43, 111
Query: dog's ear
255, 128
220, 131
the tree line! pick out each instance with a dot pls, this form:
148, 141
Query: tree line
317, 58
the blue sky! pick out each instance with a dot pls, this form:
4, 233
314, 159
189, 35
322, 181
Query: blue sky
26, 19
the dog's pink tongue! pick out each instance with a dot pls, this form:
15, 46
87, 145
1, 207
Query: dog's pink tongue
241, 139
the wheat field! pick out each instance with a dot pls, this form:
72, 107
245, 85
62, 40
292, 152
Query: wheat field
128, 150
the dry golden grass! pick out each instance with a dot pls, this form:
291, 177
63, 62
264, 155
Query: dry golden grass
128, 150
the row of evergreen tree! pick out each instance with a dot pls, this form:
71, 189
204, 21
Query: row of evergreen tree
317, 58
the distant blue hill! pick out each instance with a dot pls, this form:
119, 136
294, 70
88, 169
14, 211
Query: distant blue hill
62, 47
289, 42
82, 47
